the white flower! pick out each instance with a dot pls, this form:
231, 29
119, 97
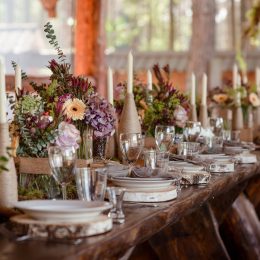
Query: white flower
69, 135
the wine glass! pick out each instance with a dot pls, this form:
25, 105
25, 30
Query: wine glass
192, 131
62, 160
216, 125
131, 146
164, 137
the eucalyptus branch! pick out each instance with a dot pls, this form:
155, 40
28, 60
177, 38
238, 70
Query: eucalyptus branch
24, 75
50, 34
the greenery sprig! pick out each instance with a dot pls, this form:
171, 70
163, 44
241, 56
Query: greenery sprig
50, 34
24, 75
4, 160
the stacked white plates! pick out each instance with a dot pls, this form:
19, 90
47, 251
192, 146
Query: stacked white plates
185, 166
62, 210
142, 184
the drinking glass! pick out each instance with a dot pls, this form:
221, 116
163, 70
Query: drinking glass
164, 137
62, 160
188, 148
131, 146
192, 131
116, 195
162, 161
235, 136
156, 159
91, 183
216, 126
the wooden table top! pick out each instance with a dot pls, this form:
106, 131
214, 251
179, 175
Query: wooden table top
141, 223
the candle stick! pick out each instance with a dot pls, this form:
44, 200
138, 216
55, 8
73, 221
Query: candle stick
235, 72
2, 93
245, 79
257, 79
238, 96
204, 90
110, 88
149, 80
18, 78
130, 73
193, 90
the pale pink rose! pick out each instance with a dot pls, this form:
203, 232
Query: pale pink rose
180, 116
254, 99
69, 135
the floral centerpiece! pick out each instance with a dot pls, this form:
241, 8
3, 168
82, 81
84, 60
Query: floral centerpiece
61, 111
164, 104
225, 97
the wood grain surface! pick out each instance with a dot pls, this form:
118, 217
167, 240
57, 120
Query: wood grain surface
142, 222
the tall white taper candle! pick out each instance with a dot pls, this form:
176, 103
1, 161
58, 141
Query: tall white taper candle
235, 72
130, 73
3, 102
204, 90
257, 79
193, 90
149, 80
110, 88
18, 78
238, 96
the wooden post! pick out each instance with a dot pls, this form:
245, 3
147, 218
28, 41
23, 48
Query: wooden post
89, 41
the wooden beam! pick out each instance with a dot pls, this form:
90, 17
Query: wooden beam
89, 41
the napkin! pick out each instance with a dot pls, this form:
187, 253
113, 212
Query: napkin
147, 172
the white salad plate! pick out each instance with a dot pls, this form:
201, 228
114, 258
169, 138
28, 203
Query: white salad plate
142, 183
187, 167
64, 210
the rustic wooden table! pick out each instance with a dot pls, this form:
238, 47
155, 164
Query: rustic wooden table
142, 222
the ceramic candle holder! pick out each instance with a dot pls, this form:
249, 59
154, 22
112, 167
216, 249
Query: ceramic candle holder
8, 179
257, 117
203, 117
193, 114
237, 121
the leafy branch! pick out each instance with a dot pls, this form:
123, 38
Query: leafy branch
4, 160
24, 75
50, 34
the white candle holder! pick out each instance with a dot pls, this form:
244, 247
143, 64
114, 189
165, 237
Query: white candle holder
8, 179
203, 117
129, 119
193, 113
237, 119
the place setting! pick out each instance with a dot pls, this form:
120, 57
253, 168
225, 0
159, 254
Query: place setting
119, 141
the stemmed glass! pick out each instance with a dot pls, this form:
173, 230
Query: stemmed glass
62, 160
216, 125
192, 131
131, 146
164, 137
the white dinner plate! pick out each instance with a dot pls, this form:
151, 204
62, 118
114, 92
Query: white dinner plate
142, 183
187, 167
62, 209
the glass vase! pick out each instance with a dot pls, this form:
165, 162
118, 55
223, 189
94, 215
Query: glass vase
86, 146
99, 148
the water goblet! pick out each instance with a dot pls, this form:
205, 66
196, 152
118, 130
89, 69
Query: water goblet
216, 125
62, 161
131, 146
192, 131
164, 137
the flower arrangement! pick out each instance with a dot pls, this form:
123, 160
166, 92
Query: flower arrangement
225, 97
164, 104
59, 112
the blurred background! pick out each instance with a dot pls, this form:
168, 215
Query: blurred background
190, 35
